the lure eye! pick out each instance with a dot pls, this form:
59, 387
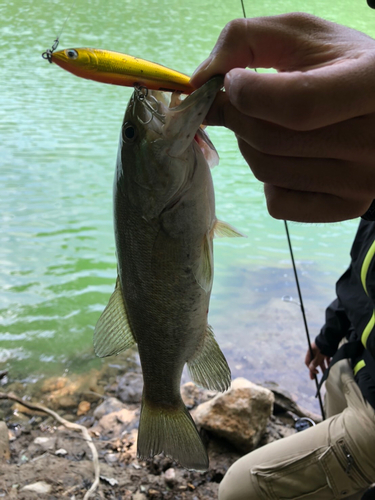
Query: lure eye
128, 132
72, 54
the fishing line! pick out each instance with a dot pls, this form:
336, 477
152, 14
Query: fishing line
299, 289
243, 9
302, 307
48, 53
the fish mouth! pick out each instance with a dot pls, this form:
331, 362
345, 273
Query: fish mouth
183, 121
172, 119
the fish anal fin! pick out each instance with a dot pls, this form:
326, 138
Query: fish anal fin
112, 331
209, 368
223, 229
172, 431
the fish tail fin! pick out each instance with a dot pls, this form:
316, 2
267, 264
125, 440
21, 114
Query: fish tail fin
172, 431
208, 368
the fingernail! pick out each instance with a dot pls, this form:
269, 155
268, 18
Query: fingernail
201, 68
228, 81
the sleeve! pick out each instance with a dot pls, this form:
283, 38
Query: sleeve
336, 327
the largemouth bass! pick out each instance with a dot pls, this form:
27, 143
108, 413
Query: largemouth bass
107, 66
164, 217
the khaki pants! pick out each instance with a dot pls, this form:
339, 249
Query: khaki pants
334, 459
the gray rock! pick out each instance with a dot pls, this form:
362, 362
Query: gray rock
193, 396
108, 406
285, 402
130, 388
240, 415
115, 423
45, 443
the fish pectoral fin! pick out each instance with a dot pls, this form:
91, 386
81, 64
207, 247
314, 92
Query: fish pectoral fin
209, 368
170, 430
223, 229
204, 272
112, 331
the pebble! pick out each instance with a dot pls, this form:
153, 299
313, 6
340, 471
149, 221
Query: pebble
61, 452
46, 443
40, 487
83, 408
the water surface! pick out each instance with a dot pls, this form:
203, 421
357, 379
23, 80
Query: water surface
59, 137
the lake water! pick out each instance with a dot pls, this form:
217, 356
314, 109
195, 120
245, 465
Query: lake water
59, 137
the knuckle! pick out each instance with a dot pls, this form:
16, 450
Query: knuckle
233, 30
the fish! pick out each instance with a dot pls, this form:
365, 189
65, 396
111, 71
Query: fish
164, 221
111, 67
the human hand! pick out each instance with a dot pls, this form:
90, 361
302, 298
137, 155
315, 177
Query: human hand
307, 132
318, 360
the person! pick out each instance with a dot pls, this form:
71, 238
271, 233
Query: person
308, 133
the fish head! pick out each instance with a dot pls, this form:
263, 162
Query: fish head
77, 61
159, 145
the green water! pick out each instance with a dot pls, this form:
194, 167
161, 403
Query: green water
58, 146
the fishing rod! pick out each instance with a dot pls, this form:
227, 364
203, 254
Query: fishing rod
302, 307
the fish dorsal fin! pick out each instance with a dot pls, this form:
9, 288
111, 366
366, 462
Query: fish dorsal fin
209, 368
112, 331
204, 272
224, 230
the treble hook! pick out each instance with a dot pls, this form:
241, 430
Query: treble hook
141, 94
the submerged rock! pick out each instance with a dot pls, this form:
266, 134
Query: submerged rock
240, 415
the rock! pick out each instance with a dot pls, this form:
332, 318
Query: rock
4, 442
54, 384
276, 429
115, 423
284, 401
61, 452
40, 487
83, 408
46, 443
193, 396
170, 477
240, 415
130, 388
110, 405
139, 496
66, 402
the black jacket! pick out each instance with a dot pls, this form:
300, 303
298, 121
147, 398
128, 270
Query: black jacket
351, 315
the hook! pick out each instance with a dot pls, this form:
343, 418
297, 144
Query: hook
48, 53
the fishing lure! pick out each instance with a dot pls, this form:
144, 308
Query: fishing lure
107, 66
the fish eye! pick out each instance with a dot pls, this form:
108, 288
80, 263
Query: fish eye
72, 54
128, 132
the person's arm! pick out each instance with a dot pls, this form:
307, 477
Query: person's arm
308, 131
336, 327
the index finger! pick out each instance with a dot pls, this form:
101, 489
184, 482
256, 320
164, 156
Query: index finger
324, 68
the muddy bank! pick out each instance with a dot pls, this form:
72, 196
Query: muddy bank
46, 460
